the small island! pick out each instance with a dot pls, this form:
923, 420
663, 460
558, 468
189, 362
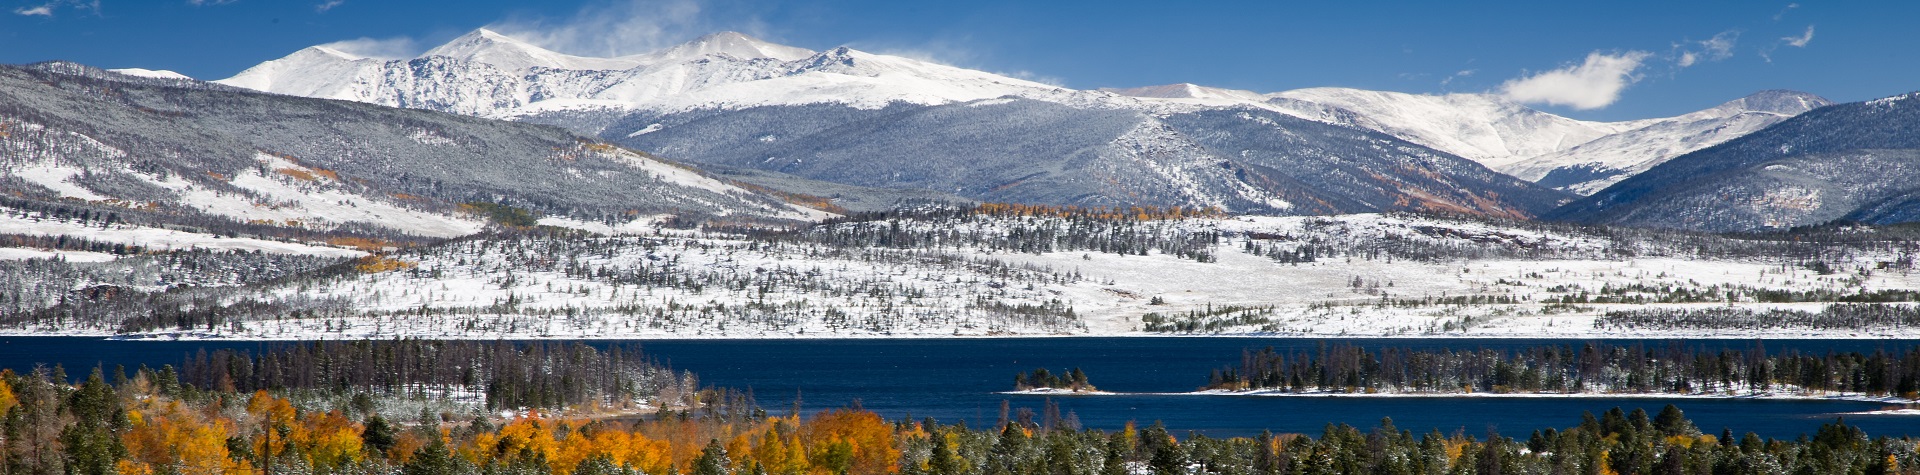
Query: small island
1043, 381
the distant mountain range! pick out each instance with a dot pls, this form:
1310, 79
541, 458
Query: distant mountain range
177, 152
845, 123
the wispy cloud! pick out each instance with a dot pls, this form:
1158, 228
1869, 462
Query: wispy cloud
202, 3
1783, 11
956, 51
378, 48
1800, 41
1464, 73
53, 7
1594, 83
1718, 48
617, 28
322, 7
1797, 41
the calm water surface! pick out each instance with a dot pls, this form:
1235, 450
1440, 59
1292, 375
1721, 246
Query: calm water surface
957, 380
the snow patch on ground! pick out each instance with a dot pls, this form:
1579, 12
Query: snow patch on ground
151, 73
291, 194
59, 178
19, 254
159, 239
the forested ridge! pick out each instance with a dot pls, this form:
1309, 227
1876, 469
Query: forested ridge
1592, 367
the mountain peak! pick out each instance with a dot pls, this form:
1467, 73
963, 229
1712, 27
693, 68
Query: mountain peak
1186, 91
513, 54
488, 46
150, 73
1166, 91
731, 43
1778, 101
324, 52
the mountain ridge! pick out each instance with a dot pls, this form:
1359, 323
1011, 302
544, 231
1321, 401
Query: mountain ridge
190, 152
1806, 170
696, 84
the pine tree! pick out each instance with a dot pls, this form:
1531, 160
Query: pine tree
378, 435
92, 440
712, 460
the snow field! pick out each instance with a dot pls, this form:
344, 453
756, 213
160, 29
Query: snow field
698, 285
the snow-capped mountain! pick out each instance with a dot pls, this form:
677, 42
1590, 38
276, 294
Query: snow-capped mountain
1480, 127
1562, 153
165, 151
1857, 161
1597, 164
732, 100
488, 74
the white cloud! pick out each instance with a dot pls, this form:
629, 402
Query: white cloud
52, 7
322, 7
388, 48
202, 3
1464, 73
1593, 84
1717, 48
1800, 41
1783, 11
619, 28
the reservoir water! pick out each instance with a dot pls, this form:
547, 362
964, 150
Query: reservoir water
959, 380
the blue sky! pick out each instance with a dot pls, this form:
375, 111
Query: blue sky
1592, 60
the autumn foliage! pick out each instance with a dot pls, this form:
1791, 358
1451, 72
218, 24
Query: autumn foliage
375, 264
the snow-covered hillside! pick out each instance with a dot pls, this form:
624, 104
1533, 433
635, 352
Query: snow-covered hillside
943, 274
160, 151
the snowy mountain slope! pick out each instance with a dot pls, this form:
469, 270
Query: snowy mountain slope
150, 73
1480, 127
1558, 152
1589, 167
1192, 93
1858, 160
1033, 151
222, 157
501, 51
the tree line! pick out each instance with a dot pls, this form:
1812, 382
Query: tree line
1588, 368
509, 374
140, 426
1072, 380
1847, 316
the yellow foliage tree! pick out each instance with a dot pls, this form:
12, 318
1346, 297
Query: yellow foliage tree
858, 442
7, 399
329, 441
164, 437
270, 415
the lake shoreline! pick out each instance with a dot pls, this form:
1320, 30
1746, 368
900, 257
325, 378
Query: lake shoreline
1765, 396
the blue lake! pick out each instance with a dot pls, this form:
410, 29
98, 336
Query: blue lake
958, 380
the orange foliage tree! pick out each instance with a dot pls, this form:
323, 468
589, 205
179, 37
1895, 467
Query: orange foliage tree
165, 437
